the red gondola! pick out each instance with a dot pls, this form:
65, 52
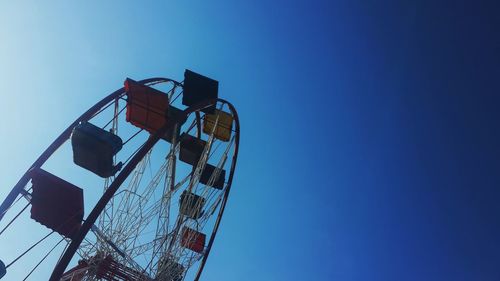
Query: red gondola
56, 203
193, 240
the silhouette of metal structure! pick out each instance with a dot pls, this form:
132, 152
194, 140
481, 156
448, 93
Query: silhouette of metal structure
162, 198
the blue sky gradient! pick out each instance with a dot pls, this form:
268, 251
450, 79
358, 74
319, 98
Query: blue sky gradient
369, 142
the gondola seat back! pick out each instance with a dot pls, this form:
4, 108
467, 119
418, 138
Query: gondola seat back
198, 88
191, 149
219, 179
193, 240
170, 269
94, 149
147, 108
56, 203
191, 205
224, 126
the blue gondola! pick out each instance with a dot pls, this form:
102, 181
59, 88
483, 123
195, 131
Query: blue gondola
3, 270
94, 149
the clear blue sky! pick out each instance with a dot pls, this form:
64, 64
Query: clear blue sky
370, 136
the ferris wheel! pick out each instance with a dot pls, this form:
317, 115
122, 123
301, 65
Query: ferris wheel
155, 161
